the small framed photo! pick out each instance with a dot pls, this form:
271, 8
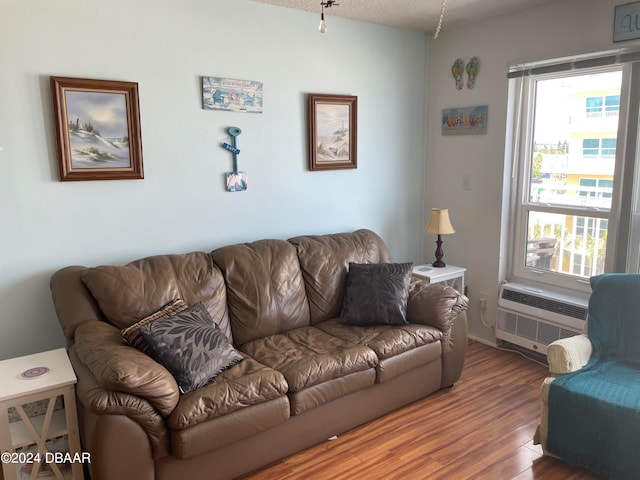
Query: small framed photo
333, 131
97, 129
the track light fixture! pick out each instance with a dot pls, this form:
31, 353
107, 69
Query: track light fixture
325, 4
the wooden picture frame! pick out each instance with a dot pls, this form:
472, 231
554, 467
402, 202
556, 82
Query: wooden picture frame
333, 131
97, 129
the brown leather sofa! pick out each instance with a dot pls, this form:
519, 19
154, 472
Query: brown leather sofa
305, 375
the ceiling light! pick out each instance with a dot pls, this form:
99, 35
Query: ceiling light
327, 4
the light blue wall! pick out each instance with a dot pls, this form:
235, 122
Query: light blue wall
181, 204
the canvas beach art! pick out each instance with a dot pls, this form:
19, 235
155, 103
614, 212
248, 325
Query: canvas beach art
232, 95
465, 121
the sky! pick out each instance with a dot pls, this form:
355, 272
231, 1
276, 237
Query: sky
105, 111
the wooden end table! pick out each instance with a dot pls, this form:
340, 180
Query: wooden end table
20, 385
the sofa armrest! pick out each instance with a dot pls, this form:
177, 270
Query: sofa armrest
444, 308
436, 305
569, 354
118, 367
95, 402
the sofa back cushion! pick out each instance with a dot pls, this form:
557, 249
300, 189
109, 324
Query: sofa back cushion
127, 294
265, 289
325, 259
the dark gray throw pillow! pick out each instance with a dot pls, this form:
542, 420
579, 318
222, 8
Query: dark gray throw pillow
377, 294
191, 346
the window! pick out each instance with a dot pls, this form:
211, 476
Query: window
608, 147
598, 188
588, 252
594, 106
599, 147
612, 104
566, 163
590, 147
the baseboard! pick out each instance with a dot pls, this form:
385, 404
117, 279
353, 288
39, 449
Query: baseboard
482, 340
502, 345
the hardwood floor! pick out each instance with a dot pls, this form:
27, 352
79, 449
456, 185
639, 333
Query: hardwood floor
480, 429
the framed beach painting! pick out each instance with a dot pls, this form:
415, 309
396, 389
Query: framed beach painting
97, 129
333, 127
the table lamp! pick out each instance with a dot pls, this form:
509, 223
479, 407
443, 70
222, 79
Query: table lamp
439, 224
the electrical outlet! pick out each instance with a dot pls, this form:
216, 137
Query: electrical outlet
483, 301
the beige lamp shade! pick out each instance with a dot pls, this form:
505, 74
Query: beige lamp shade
439, 222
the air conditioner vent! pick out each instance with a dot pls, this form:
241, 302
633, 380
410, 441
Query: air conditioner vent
533, 317
547, 304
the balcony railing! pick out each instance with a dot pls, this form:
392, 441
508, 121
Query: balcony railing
600, 114
574, 195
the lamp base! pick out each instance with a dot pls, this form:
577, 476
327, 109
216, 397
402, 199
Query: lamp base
439, 254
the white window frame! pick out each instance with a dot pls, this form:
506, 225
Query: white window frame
523, 106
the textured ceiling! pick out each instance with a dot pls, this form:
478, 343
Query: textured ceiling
420, 15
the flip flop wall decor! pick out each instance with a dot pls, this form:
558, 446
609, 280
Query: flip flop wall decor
472, 68
457, 70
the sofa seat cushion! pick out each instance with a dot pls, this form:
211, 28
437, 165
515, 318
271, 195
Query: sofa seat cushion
386, 340
244, 384
330, 390
392, 367
227, 429
399, 348
307, 356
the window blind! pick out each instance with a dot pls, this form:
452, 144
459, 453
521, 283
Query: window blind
572, 63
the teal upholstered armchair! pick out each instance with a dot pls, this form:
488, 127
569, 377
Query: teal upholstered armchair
591, 404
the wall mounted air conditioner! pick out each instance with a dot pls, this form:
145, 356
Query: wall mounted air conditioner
533, 318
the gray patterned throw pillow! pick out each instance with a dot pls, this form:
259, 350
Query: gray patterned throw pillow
377, 294
191, 346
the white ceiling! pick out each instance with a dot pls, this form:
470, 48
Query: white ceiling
420, 15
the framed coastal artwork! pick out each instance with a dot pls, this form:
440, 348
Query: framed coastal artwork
97, 126
333, 131
231, 95
465, 121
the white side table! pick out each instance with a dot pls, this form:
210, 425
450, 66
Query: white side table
17, 391
450, 275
